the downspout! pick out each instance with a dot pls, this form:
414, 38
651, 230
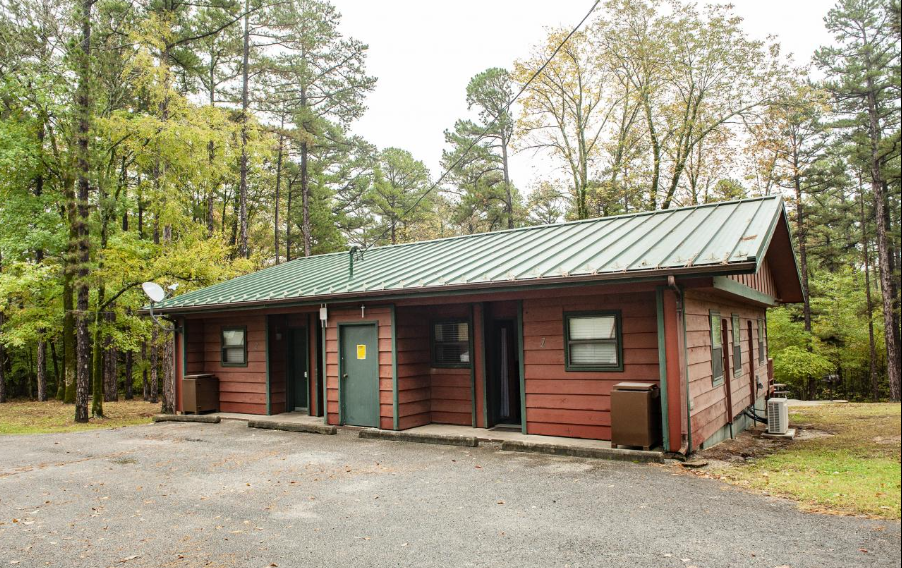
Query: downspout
685, 448
325, 378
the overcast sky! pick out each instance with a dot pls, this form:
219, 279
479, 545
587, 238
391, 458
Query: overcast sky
424, 54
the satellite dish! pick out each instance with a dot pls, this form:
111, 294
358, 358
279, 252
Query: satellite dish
154, 291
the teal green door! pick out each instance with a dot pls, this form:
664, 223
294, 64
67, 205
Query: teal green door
359, 375
298, 391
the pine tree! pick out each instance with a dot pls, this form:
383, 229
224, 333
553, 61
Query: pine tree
863, 76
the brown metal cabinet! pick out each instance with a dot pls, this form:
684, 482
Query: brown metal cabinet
635, 415
200, 393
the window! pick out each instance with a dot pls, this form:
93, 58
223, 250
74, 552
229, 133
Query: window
234, 347
737, 346
593, 341
451, 344
716, 348
761, 356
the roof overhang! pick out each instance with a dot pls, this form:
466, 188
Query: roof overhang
746, 267
782, 259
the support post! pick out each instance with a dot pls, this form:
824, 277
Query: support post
674, 363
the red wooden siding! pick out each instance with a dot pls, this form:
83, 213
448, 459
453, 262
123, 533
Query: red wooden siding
425, 393
382, 315
709, 402
278, 364
195, 347
763, 280
241, 389
414, 408
577, 404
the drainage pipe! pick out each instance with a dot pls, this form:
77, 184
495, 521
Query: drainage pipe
686, 447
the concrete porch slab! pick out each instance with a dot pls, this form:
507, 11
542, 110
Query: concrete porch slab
295, 426
203, 418
511, 440
286, 421
285, 417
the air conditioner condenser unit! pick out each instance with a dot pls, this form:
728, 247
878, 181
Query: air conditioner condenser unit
777, 416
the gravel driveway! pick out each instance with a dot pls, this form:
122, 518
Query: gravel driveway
183, 495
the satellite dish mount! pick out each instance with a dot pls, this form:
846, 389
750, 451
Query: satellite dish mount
155, 293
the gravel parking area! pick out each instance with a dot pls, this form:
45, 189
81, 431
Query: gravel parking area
188, 495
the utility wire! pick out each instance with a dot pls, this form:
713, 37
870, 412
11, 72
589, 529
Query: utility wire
487, 128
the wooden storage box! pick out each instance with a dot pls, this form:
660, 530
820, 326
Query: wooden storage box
635, 415
200, 393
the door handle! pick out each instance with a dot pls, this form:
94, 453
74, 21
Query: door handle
344, 375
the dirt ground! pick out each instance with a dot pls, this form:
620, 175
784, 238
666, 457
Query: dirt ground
844, 460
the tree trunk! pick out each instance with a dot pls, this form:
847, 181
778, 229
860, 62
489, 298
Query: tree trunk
655, 154
895, 286
883, 247
140, 210
168, 355
154, 364
305, 201
278, 187
872, 347
144, 384
129, 367
110, 362
211, 156
66, 389
210, 214
41, 370
243, 250
83, 106
56, 367
97, 354
39, 259
288, 221
802, 238
509, 200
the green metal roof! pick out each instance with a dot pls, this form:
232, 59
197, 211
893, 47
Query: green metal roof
716, 238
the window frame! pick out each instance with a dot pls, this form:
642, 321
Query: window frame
618, 339
222, 345
736, 338
712, 315
439, 365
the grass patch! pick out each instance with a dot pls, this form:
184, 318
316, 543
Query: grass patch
855, 470
27, 417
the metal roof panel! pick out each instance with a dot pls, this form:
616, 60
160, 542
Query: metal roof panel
714, 235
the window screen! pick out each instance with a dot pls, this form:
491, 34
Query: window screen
451, 344
761, 355
593, 341
716, 347
234, 346
737, 346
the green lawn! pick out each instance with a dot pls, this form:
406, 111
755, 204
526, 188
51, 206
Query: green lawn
26, 417
853, 471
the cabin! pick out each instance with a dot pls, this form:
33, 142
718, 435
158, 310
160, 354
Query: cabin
526, 329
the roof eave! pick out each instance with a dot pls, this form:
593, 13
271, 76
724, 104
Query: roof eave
765, 246
747, 266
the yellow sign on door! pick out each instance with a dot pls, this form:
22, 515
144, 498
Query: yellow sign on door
361, 351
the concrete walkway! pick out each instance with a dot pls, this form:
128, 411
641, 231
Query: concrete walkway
292, 417
504, 435
448, 434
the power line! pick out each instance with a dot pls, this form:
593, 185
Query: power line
490, 124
